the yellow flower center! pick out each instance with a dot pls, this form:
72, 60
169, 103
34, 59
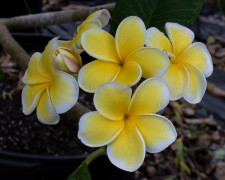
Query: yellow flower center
121, 63
49, 83
173, 58
126, 117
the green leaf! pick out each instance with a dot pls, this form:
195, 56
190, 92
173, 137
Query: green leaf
184, 167
1, 74
222, 5
155, 13
180, 159
81, 173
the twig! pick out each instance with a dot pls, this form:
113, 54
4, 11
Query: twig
209, 121
50, 18
213, 89
199, 173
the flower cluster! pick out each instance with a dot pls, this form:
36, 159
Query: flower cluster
125, 119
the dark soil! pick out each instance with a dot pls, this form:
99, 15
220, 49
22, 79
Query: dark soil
20, 133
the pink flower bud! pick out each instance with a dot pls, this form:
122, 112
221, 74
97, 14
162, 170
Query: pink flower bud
67, 60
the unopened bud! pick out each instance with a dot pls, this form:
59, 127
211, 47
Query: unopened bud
67, 60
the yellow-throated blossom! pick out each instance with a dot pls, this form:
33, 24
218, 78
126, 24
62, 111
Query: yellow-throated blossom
96, 20
120, 59
128, 125
190, 62
67, 59
50, 91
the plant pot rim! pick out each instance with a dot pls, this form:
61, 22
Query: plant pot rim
40, 157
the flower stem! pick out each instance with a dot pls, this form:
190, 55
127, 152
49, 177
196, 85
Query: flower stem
95, 154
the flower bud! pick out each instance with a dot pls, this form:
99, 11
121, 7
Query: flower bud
96, 20
67, 60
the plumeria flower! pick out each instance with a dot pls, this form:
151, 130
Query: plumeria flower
190, 63
50, 91
128, 125
96, 20
120, 59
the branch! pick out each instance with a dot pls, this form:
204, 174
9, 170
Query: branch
50, 18
77, 111
12, 47
34, 20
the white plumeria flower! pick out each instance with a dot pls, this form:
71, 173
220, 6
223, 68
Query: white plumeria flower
50, 91
128, 124
190, 63
121, 59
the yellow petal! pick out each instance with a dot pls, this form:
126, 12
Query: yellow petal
155, 38
70, 44
153, 62
95, 130
112, 100
30, 97
102, 15
86, 25
130, 74
66, 44
100, 44
151, 96
197, 85
177, 80
157, 131
63, 91
197, 55
46, 113
130, 35
180, 37
95, 73
127, 151
32, 74
46, 61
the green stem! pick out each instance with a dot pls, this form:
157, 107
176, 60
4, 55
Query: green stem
95, 154
82, 170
